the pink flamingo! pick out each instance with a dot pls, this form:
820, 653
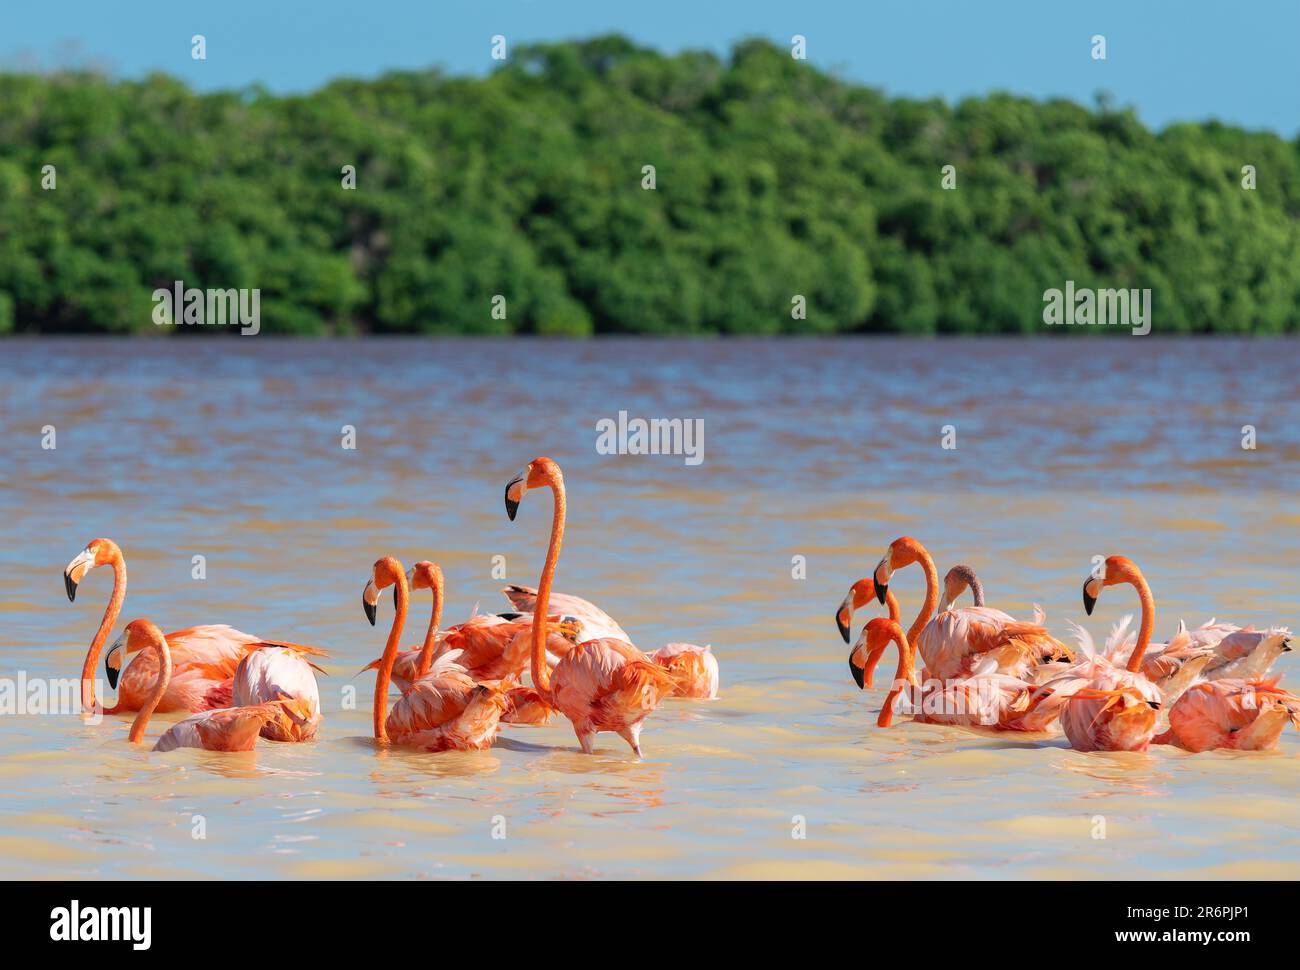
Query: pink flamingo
952, 643
443, 709
1243, 715
601, 685
204, 658
225, 729
1104, 704
595, 623
270, 673
987, 698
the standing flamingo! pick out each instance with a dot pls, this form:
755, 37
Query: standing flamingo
443, 709
225, 729
1105, 704
601, 685
952, 643
204, 658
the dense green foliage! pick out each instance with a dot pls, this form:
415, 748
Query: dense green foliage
773, 179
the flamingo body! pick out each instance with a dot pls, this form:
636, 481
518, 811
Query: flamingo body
694, 670
269, 673
596, 624
608, 685
228, 729
1234, 714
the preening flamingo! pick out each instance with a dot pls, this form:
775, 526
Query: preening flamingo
204, 658
270, 673
595, 623
601, 685
224, 729
1105, 704
987, 698
1245, 715
443, 709
955, 641
694, 669
493, 646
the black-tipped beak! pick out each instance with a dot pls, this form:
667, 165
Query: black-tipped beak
372, 622
512, 506
71, 587
882, 590
858, 674
842, 623
372, 611
111, 674
1286, 646
1089, 601
1154, 705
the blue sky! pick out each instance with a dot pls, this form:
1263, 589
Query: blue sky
1173, 60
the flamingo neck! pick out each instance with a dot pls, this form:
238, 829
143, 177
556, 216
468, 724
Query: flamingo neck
902, 676
111, 612
931, 593
390, 655
541, 608
155, 697
435, 620
891, 602
1148, 621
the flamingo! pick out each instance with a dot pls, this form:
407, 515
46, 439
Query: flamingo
493, 646
601, 685
443, 709
271, 672
223, 729
860, 594
951, 644
595, 623
1105, 704
694, 669
986, 698
1244, 715
204, 658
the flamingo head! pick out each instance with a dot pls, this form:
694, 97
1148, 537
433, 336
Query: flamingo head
959, 579
537, 473
137, 635
1116, 569
98, 552
876, 635
903, 551
860, 594
424, 575
387, 572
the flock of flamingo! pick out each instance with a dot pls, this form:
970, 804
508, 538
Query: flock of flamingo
457, 688
1208, 687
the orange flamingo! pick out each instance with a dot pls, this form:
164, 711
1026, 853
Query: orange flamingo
492, 646
861, 594
225, 729
204, 658
956, 640
1104, 703
1242, 715
601, 685
443, 709
987, 698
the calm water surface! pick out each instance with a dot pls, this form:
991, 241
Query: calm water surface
827, 450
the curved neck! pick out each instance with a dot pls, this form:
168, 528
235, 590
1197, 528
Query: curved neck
426, 652
977, 591
1148, 620
390, 655
541, 607
931, 594
156, 695
101, 635
891, 602
902, 677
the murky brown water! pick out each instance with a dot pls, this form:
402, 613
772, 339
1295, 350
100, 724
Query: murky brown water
231, 449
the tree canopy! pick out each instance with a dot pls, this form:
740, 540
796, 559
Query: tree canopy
772, 180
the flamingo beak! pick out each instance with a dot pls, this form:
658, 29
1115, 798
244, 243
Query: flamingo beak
844, 616
1090, 590
370, 601
1154, 705
1286, 646
859, 673
515, 489
881, 577
113, 661
75, 571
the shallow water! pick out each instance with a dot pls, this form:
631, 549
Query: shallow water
230, 449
